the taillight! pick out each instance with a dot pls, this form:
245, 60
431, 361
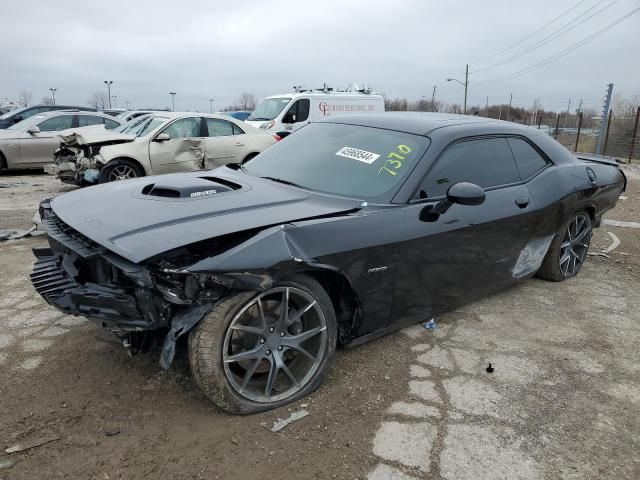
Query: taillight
277, 137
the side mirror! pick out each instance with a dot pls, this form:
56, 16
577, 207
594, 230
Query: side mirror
33, 129
289, 117
466, 193
462, 193
163, 137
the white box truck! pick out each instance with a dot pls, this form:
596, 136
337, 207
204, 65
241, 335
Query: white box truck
284, 114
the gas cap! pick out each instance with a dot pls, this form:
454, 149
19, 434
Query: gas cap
591, 174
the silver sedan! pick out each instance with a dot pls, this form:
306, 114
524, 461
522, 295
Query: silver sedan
31, 142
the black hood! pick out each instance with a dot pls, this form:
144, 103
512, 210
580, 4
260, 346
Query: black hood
140, 218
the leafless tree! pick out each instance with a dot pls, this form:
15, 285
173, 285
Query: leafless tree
25, 98
247, 101
46, 101
99, 100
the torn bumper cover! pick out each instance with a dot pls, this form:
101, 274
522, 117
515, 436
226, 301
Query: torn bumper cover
80, 277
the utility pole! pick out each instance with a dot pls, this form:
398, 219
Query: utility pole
604, 118
486, 110
211, 105
465, 84
509, 110
567, 116
579, 110
173, 102
500, 113
433, 99
108, 83
53, 94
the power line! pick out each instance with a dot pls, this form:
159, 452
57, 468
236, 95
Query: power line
552, 36
482, 60
563, 52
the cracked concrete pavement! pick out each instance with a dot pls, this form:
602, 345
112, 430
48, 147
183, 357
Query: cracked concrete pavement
562, 402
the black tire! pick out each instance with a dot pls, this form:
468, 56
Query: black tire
249, 157
563, 262
3, 162
209, 346
111, 169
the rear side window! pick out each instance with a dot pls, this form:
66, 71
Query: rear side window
87, 120
55, 124
487, 162
219, 128
528, 160
237, 130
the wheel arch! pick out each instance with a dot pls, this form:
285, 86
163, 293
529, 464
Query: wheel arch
344, 299
129, 159
3, 161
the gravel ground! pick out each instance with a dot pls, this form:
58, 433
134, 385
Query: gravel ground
563, 400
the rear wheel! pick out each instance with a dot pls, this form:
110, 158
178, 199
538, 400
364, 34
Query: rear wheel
568, 250
255, 352
120, 170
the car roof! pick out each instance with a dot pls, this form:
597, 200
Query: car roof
67, 111
418, 123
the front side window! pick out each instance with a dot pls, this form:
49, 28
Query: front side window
528, 160
347, 160
56, 124
487, 162
300, 110
184, 128
219, 128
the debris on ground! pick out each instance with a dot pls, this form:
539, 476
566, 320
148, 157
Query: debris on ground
490, 369
35, 230
29, 444
597, 254
111, 433
6, 463
430, 325
281, 423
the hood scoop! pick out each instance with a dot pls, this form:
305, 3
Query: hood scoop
186, 187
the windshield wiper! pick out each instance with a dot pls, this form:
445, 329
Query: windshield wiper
282, 180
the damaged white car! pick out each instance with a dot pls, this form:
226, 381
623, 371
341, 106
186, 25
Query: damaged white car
163, 142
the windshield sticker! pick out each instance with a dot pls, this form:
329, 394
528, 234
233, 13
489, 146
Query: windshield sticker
395, 160
357, 154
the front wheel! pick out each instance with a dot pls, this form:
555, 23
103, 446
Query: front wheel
255, 352
119, 170
568, 250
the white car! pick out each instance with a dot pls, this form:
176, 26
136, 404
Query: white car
162, 142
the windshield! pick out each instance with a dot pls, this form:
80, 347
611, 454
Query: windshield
269, 108
140, 126
11, 113
27, 122
347, 160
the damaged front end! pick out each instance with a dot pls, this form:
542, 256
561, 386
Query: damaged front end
77, 161
80, 277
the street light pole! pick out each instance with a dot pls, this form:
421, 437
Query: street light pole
53, 94
108, 83
173, 103
211, 105
115, 103
465, 84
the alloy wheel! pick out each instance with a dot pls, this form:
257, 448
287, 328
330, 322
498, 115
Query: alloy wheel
575, 244
122, 172
275, 344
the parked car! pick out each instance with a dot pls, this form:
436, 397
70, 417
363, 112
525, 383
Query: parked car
130, 114
353, 227
165, 142
19, 114
31, 142
114, 112
284, 114
240, 115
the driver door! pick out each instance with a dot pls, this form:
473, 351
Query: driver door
468, 251
183, 151
36, 149
297, 116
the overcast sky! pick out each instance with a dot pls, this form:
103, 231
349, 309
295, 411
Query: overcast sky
207, 49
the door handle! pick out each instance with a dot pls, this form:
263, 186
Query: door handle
522, 202
239, 144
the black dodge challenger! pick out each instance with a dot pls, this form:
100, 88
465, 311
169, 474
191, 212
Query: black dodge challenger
353, 227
